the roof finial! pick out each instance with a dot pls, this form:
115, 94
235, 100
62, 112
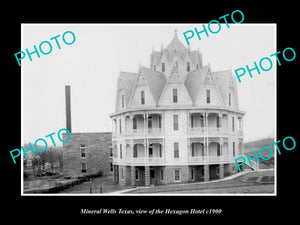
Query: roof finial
140, 67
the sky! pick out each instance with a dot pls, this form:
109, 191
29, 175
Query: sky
91, 66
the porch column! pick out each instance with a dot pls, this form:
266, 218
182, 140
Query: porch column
145, 123
132, 176
146, 150
162, 120
206, 120
115, 174
130, 124
207, 152
147, 176
206, 172
221, 171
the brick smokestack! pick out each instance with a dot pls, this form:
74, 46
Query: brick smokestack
68, 107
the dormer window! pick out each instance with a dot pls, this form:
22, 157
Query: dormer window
163, 67
207, 96
188, 67
175, 95
142, 97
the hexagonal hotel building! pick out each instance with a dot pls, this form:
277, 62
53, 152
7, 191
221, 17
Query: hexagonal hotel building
176, 121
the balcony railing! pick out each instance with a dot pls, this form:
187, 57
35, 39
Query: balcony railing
140, 161
213, 131
145, 160
143, 131
211, 159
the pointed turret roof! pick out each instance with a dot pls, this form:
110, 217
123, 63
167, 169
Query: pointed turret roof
175, 45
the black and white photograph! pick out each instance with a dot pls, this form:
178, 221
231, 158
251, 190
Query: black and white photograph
148, 111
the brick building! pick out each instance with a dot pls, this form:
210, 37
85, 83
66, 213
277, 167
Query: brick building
176, 121
85, 153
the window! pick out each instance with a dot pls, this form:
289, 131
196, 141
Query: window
232, 123
218, 150
233, 148
135, 151
193, 150
161, 174
175, 122
83, 167
176, 175
154, 67
111, 167
82, 150
163, 67
150, 150
123, 101
120, 125
134, 123
188, 68
176, 150
175, 95
192, 174
197, 67
110, 151
207, 96
143, 97
120, 151
229, 99
218, 121
137, 174
150, 122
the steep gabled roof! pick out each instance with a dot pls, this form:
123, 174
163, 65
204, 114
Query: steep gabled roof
156, 82
222, 79
126, 81
194, 81
175, 45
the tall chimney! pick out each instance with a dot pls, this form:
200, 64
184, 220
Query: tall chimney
68, 107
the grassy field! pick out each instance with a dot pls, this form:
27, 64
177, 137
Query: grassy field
264, 164
252, 183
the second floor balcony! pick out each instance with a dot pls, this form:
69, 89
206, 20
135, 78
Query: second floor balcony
198, 124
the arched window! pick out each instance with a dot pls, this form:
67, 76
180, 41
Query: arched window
135, 151
150, 122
